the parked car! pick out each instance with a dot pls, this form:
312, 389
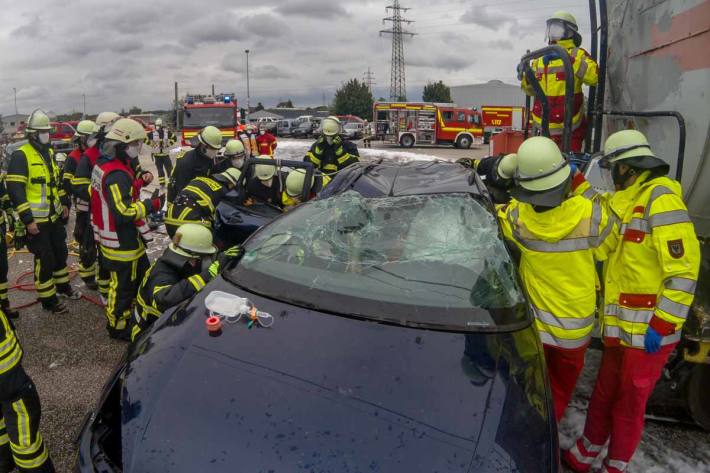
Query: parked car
60, 136
353, 130
269, 122
284, 127
303, 130
400, 341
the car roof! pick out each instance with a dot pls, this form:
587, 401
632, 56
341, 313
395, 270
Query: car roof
394, 179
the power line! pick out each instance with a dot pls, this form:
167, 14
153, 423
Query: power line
398, 87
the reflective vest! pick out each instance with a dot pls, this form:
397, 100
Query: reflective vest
42, 186
102, 219
559, 248
196, 203
551, 77
161, 146
650, 279
10, 349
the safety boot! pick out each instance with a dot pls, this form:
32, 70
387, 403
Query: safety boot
9, 312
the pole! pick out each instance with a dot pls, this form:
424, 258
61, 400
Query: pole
248, 95
175, 107
213, 90
15, 91
83, 115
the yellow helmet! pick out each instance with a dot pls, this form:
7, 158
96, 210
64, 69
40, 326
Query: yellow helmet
295, 181
38, 121
507, 166
230, 176
126, 130
563, 25
159, 122
210, 136
192, 240
234, 148
105, 119
264, 172
331, 126
543, 175
631, 147
85, 128
566, 17
60, 158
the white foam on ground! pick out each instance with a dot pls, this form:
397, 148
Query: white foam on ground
297, 149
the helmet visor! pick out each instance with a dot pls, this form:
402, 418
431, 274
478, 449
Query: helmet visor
549, 198
555, 30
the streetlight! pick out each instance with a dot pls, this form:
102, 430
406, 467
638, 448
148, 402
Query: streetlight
15, 91
248, 97
83, 115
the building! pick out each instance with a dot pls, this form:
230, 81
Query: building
493, 92
10, 123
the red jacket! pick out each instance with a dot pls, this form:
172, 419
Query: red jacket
266, 144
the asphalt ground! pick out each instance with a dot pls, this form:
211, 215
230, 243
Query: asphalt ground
70, 357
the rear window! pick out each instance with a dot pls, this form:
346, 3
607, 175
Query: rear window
434, 260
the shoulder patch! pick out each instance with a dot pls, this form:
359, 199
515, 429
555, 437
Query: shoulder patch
676, 248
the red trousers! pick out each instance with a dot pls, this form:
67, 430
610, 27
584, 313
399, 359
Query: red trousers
625, 381
577, 140
563, 369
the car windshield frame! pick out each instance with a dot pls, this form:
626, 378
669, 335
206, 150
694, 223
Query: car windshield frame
268, 269
200, 117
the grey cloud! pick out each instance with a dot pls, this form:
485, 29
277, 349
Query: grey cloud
447, 62
486, 18
264, 25
312, 9
34, 28
212, 29
500, 44
269, 71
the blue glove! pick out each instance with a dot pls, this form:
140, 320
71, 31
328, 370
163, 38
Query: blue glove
652, 342
574, 168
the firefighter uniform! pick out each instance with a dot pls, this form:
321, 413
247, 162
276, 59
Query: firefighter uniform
193, 164
550, 73
332, 157
70, 165
649, 285
265, 144
21, 444
197, 202
5, 223
37, 196
117, 218
161, 140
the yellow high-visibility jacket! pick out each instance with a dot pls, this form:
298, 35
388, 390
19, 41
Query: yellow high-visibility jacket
551, 77
10, 349
651, 276
559, 249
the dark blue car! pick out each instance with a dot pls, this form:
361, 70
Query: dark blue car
401, 342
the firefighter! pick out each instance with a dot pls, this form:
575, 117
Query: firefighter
89, 256
196, 162
21, 443
184, 268
560, 234
87, 260
264, 185
235, 152
161, 139
293, 192
249, 140
330, 153
117, 216
265, 142
197, 202
649, 285
6, 222
562, 30
42, 204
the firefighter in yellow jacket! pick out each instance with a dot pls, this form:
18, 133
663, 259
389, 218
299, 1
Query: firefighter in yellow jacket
560, 234
649, 285
562, 30
21, 443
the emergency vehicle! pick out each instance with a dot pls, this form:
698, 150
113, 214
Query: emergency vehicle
199, 111
496, 119
410, 123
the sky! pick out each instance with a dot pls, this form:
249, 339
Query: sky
125, 53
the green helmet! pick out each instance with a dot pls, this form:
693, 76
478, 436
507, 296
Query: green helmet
507, 166
543, 175
565, 17
210, 136
86, 128
234, 148
331, 126
264, 172
230, 176
295, 181
192, 240
126, 130
60, 158
631, 147
38, 121
105, 119
159, 122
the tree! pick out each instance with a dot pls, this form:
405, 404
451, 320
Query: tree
354, 98
437, 92
259, 107
134, 110
286, 104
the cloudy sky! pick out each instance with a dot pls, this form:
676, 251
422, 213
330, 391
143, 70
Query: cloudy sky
130, 52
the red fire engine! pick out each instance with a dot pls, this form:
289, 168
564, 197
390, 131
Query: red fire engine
497, 119
410, 123
199, 111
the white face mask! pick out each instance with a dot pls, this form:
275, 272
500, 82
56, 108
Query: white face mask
262, 132
555, 32
133, 150
238, 162
211, 153
91, 142
329, 140
43, 137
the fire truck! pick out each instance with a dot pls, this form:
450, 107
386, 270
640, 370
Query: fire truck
410, 123
496, 119
199, 111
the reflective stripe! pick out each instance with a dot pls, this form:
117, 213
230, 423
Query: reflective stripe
589, 193
674, 308
580, 457
618, 464
582, 68
589, 446
669, 218
638, 224
567, 323
12, 357
122, 255
681, 284
549, 339
23, 424
641, 316
596, 219
636, 340
197, 282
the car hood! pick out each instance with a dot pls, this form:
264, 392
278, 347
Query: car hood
321, 392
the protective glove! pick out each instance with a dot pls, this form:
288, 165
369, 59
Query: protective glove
229, 255
10, 219
213, 269
20, 235
652, 342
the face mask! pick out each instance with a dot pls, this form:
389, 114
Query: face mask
211, 153
329, 140
91, 142
238, 162
555, 32
43, 138
262, 132
133, 150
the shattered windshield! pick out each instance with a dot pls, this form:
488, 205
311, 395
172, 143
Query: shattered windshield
427, 260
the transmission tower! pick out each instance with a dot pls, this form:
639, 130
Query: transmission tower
398, 86
369, 79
